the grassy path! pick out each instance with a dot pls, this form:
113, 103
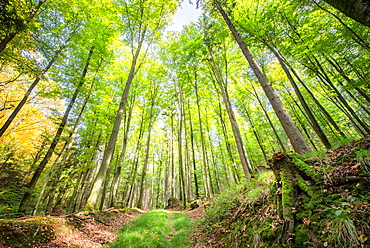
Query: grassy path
157, 229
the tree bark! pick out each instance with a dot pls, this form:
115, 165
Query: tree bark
293, 176
207, 191
325, 112
358, 10
269, 121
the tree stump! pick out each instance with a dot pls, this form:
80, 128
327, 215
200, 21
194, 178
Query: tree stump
293, 176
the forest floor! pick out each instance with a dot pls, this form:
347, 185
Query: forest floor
96, 230
92, 232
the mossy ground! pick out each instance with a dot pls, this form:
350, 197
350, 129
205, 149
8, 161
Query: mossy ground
332, 207
25, 233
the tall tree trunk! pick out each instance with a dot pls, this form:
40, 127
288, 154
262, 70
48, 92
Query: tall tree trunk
229, 149
294, 135
117, 173
108, 152
204, 155
324, 111
173, 179
31, 185
181, 165
195, 173
340, 70
246, 114
215, 182
234, 125
327, 81
135, 163
315, 125
65, 151
167, 172
104, 191
145, 165
188, 168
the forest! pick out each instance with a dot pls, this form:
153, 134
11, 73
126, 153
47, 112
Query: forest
102, 107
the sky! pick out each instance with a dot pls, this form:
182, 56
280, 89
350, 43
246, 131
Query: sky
186, 14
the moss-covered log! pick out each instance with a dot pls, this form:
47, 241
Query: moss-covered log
294, 176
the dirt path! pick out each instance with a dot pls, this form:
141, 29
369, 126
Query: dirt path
91, 232
194, 215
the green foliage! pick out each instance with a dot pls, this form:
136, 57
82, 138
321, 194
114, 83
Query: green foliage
243, 214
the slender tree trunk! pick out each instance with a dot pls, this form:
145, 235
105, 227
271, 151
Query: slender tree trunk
340, 70
73, 198
204, 155
33, 85
85, 187
117, 173
145, 165
215, 182
230, 112
195, 173
324, 111
172, 158
188, 168
326, 80
30, 187
258, 138
315, 125
294, 135
104, 191
135, 163
167, 172
159, 180
108, 153
181, 165
229, 149
65, 151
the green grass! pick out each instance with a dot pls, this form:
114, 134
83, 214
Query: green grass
158, 229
